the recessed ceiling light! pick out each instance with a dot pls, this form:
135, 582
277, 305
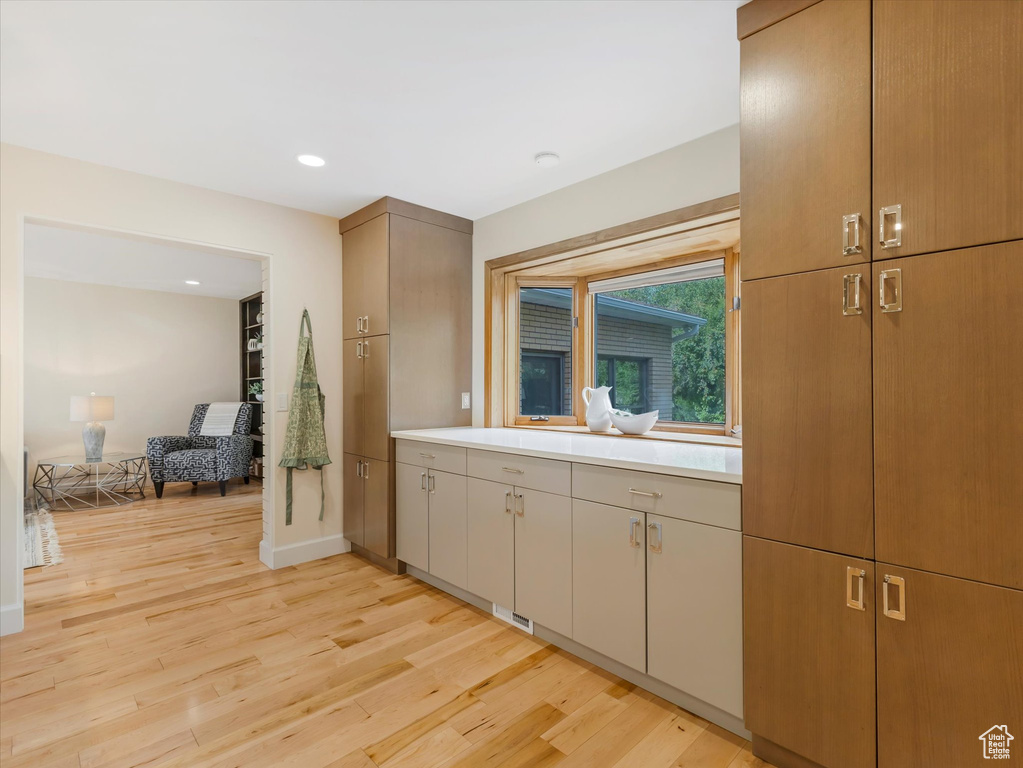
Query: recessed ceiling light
311, 160
547, 159
192, 282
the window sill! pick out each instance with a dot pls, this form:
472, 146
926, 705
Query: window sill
675, 437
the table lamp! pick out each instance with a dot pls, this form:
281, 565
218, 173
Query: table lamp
93, 409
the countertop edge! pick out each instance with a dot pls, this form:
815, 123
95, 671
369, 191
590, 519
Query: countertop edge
639, 466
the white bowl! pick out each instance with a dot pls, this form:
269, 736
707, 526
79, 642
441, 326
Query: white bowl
634, 424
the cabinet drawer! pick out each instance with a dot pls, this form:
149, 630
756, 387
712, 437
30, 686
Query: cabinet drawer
444, 458
521, 471
701, 501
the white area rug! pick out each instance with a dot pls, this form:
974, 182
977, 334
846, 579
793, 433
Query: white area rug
41, 544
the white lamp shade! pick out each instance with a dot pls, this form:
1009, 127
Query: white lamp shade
92, 407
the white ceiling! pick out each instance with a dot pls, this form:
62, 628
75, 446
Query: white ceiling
91, 257
440, 103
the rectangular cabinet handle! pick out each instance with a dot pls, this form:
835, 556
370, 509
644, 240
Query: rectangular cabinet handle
894, 231
365, 324
422, 481
633, 531
899, 614
520, 505
365, 348
427, 455
358, 350
655, 544
508, 502
358, 469
648, 494
365, 470
513, 470
851, 234
432, 483
891, 299
851, 301
854, 576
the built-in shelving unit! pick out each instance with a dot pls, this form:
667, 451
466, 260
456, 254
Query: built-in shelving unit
251, 309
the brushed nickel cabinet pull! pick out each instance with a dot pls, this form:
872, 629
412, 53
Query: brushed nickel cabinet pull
365, 348
358, 350
365, 470
358, 469
633, 531
655, 544
365, 324
895, 230
513, 470
508, 502
893, 302
427, 455
422, 481
853, 575
899, 614
520, 505
851, 303
432, 483
851, 245
649, 494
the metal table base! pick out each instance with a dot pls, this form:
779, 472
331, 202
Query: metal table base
111, 481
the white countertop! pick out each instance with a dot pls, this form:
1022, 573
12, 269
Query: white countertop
703, 462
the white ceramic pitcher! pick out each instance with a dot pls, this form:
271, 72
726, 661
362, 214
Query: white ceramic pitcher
598, 408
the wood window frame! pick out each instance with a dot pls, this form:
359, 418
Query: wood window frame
700, 232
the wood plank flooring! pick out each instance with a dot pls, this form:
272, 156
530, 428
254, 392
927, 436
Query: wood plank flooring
161, 640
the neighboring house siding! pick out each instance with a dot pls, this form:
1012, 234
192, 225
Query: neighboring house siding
549, 329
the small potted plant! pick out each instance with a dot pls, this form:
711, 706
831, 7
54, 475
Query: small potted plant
256, 390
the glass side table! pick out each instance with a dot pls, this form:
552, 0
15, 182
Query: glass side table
75, 482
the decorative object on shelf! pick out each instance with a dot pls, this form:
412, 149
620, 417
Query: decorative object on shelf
259, 316
93, 409
255, 343
598, 408
634, 423
256, 390
305, 442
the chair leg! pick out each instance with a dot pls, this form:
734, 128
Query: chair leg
246, 479
195, 483
223, 487
158, 487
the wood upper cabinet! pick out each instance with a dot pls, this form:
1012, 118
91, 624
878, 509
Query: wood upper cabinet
948, 670
448, 548
376, 397
491, 541
353, 395
948, 427
609, 581
411, 515
364, 278
694, 610
805, 141
807, 474
353, 517
543, 559
809, 655
948, 123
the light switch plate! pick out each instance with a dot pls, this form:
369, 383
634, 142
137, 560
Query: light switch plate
465, 401
282, 401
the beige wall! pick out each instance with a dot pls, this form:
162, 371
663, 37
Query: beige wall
304, 252
690, 173
157, 353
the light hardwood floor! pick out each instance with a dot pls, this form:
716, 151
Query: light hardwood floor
161, 640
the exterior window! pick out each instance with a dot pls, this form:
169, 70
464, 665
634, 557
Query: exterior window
545, 357
661, 346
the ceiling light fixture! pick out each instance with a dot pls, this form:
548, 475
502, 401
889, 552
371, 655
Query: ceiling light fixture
312, 161
547, 159
192, 282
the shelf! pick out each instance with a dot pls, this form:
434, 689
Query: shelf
254, 325
253, 378
256, 438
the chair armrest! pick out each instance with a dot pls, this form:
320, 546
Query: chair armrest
234, 455
158, 447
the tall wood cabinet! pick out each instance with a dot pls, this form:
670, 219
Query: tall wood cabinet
883, 426
407, 328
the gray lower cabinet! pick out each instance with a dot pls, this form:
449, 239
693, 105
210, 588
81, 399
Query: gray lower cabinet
543, 559
412, 515
694, 581
491, 539
448, 546
609, 581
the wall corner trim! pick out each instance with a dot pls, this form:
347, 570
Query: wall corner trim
12, 618
302, 551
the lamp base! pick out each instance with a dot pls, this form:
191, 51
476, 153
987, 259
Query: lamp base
93, 435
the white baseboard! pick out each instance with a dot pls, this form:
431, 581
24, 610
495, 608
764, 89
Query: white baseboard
302, 551
12, 619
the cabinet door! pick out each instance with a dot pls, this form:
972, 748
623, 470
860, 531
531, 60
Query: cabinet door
364, 278
543, 559
378, 479
353, 397
807, 464
491, 541
609, 581
805, 140
694, 610
448, 546
948, 425
948, 126
809, 655
948, 671
411, 516
377, 436
354, 501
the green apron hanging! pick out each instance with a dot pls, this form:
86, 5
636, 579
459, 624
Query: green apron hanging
305, 444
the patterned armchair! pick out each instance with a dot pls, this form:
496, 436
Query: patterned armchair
198, 458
